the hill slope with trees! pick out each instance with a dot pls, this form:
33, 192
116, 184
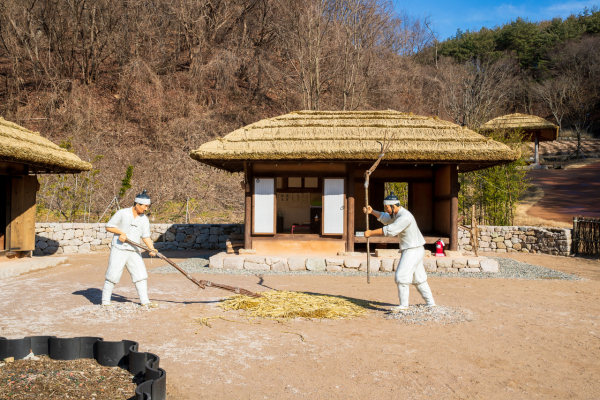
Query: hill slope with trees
141, 83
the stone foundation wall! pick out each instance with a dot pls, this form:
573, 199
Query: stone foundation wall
52, 238
522, 239
333, 264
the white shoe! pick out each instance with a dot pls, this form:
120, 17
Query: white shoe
150, 305
398, 309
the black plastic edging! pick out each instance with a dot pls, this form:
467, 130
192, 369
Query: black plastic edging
123, 354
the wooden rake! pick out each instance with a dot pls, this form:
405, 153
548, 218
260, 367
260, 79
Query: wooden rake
202, 283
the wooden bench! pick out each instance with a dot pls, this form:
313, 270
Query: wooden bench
235, 240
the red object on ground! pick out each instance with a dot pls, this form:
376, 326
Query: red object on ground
568, 193
439, 248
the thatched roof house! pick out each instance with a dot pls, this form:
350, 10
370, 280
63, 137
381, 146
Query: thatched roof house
353, 136
302, 171
534, 129
20, 145
528, 124
24, 153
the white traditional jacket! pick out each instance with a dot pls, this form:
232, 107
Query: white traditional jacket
136, 229
404, 226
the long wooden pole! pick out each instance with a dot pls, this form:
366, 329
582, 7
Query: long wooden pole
201, 284
367, 217
384, 147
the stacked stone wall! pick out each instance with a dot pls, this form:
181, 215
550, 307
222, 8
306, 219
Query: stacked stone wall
519, 239
54, 238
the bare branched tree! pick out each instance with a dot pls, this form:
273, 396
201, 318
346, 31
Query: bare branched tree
472, 92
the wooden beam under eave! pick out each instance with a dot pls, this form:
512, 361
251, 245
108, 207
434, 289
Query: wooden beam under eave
454, 208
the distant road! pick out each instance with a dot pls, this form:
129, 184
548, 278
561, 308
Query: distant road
568, 193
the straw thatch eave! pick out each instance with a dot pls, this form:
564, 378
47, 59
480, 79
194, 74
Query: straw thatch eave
20, 145
353, 136
529, 125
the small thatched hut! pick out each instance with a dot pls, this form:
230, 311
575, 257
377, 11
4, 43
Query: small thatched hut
24, 153
304, 175
534, 129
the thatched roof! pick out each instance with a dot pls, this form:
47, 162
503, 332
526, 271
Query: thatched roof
20, 145
353, 136
528, 124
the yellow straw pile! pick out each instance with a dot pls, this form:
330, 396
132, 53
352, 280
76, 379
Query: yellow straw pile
286, 305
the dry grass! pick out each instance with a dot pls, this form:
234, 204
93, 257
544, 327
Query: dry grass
286, 305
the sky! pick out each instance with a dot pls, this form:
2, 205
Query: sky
449, 15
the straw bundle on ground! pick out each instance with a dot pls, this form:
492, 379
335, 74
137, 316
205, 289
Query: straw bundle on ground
286, 305
528, 124
352, 136
23, 146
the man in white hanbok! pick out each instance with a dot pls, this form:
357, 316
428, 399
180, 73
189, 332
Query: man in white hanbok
132, 224
410, 270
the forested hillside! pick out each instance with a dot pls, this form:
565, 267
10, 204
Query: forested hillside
141, 83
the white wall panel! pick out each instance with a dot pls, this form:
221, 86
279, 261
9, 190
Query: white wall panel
333, 206
264, 205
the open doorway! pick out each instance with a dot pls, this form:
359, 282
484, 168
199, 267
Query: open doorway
299, 205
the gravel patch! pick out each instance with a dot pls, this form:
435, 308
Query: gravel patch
112, 311
420, 314
508, 269
513, 269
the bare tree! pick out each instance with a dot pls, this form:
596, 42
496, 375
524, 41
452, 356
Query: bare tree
578, 65
554, 93
472, 92
307, 42
362, 23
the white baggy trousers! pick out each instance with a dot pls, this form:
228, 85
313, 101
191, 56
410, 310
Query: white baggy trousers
410, 268
119, 259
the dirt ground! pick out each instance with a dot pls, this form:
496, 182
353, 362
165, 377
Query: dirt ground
568, 193
528, 339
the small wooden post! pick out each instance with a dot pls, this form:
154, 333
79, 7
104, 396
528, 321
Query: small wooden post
575, 238
474, 233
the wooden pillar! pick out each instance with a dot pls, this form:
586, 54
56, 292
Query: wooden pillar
350, 207
537, 149
248, 211
454, 208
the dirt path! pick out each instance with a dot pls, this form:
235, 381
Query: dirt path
528, 339
568, 193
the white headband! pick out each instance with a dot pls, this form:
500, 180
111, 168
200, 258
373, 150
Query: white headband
390, 202
142, 201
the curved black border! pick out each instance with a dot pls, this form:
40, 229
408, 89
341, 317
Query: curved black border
123, 354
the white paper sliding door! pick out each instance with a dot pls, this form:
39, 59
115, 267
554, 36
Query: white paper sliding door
264, 205
333, 206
